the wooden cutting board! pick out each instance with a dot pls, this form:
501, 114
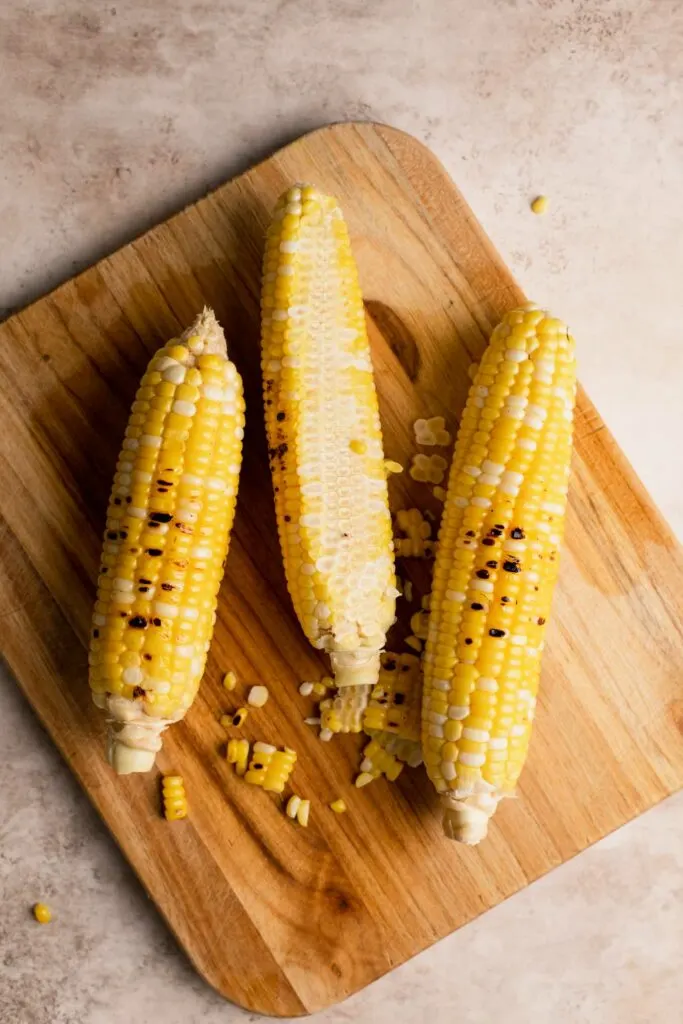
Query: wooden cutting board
280, 919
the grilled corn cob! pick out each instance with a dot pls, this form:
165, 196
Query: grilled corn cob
496, 565
168, 525
325, 443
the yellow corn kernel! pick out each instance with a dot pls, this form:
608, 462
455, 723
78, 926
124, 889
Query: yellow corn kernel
293, 805
363, 779
303, 813
42, 913
237, 753
163, 551
314, 341
173, 797
391, 467
496, 566
270, 767
414, 642
539, 204
338, 806
229, 680
237, 719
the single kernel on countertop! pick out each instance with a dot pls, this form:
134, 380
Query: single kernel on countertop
539, 204
363, 780
42, 913
325, 735
229, 680
306, 689
414, 642
392, 467
257, 696
408, 590
239, 716
293, 805
338, 806
303, 813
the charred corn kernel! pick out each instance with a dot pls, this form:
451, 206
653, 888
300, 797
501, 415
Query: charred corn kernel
391, 467
363, 779
168, 525
414, 642
539, 204
496, 567
42, 913
173, 797
338, 806
321, 407
392, 718
306, 689
229, 680
237, 753
257, 696
303, 813
237, 719
270, 767
293, 805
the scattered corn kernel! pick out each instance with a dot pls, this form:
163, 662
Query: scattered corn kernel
42, 913
408, 590
428, 468
364, 779
540, 204
413, 524
432, 432
392, 467
257, 696
439, 493
426, 602
303, 813
326, 735
414, 642
239, 717
174, 798
419, 623
312, 721
338, 806
229, 680
306, 689
293, 805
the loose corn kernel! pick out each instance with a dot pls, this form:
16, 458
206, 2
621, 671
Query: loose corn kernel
174, 798
313, 720
439, 493
408, 590
325, 735
320, 689
432, 432
539, 204
229, 680
414, 642
306, 689
257, 696
391, 467
42, 913
363, 780
338, 806
293, 805
239, 717
303, 813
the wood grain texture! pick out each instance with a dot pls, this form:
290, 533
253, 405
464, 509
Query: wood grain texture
279, 919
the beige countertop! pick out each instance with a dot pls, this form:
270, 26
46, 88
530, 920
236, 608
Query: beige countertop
113, 115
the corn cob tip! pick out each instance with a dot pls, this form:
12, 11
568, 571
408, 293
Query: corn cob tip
208, 332
467, 820
133, 738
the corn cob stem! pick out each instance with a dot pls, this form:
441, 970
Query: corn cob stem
325, 443
496, 566
168, 526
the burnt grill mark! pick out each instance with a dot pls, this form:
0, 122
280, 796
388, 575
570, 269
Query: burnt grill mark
399, 698
112, 535
156, 622
96, 633
147, 657
488, 542
476, 607
483, 574
492, 564
280, 417
117, 501
138, 692
468, 640
517, 533
510, 566
541, 621
138, 622
167, 586
497, 632
165, 483
161, 517
154, 552
390, 665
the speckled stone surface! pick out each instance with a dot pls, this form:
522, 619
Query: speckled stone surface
113, 115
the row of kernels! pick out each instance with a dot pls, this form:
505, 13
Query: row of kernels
428, 468
174, 798
270, 767
432, 432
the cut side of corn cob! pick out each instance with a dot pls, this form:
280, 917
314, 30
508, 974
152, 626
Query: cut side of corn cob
496, 567
392, 718
325, 442
168, 527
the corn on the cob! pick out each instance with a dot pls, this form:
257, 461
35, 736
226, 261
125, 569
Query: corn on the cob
496, 566
168, 526
325, 442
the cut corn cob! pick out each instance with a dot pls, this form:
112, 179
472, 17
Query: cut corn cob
168, 526
325, 442
173, 797
270, 767
496, 567
392, 718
